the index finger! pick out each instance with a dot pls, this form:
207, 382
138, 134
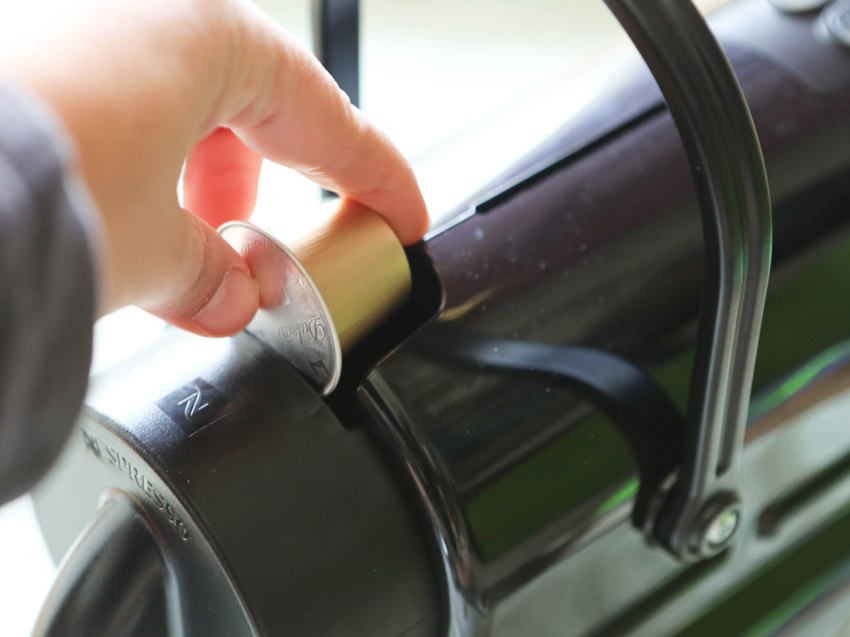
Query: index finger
309, 124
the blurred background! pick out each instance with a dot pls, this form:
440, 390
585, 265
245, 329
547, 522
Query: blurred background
464, 88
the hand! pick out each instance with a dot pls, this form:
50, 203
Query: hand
143, 84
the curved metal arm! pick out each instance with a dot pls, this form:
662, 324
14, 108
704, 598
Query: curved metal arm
702, 513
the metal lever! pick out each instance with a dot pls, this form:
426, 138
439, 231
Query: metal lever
703, 510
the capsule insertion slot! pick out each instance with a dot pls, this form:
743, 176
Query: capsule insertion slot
296, 322
327, 291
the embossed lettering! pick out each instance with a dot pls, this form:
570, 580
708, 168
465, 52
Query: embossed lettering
114, 458
319, 366
312, 330
91, 444
113, 455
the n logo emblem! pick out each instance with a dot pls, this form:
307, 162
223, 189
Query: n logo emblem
195, 405
192, 403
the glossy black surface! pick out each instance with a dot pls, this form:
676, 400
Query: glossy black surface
727, 166
600, 248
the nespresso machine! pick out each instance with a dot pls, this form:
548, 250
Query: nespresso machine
555, 434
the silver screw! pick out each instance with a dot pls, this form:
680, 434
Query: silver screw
722, 527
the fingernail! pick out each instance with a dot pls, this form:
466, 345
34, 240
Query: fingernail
231, 307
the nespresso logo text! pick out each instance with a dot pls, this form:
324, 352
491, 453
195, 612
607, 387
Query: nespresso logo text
111, 456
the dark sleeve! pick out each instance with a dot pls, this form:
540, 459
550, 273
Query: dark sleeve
47, 292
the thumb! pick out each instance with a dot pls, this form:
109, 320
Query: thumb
205, 286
